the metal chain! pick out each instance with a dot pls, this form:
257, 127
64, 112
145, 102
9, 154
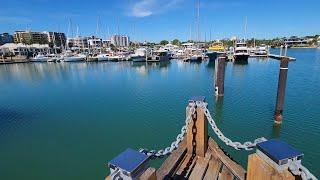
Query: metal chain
299, 170
174, 145
236, 145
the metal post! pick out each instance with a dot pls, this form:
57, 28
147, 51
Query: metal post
284, 62
219, 76
285, 50
281, 50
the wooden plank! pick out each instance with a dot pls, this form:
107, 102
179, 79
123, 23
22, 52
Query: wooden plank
186, 166
225, 174
170, 164
201, 137
213, 169
149, 174
258, 169
199, 169
234, 168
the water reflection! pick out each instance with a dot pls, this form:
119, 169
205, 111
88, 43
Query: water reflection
145, 68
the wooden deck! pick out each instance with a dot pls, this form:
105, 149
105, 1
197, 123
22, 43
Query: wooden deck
215, 165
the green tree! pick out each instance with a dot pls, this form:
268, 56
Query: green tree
113, 47
164, 42
176, 42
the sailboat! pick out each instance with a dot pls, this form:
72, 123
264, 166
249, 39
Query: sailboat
198, 56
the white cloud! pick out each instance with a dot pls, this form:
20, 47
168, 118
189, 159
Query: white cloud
144, 8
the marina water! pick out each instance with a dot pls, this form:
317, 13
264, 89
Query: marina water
66, 120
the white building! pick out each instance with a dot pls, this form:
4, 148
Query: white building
77, 42
22, 49
95, 43
120, 40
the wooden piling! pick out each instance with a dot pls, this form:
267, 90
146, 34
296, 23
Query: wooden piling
197, 131
219, 76
284, 62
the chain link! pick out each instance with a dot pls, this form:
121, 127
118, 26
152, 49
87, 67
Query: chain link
299, 170
174, 145
236, 145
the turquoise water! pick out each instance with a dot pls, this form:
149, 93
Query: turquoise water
67, 120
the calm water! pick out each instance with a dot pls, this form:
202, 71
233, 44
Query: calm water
65, 121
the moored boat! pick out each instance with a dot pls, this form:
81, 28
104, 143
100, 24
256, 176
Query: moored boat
215, 50
241, 52
40, 58
103, 57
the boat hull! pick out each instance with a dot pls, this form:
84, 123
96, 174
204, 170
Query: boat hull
40, 60
212, 56
73, 59
138, 59
241, 57
103, 59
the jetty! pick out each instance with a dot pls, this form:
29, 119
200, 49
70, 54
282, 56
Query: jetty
194, 155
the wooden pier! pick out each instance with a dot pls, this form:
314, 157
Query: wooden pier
199, 157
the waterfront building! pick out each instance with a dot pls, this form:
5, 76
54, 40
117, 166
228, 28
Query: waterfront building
29, 37
120, 40
56, 39
23, 49
295, 41
77, 43
94, 42
5, 38
106, 43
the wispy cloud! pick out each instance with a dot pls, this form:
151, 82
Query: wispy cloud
144, 8
14, 20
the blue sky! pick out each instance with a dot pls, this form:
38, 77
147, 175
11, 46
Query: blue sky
154, 20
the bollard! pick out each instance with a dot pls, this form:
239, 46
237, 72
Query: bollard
281, 50
284, 62
271, 161
219, 76
285, 50
131, 165
197, 130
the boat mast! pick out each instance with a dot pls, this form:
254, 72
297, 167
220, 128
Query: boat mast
245, 29
198, 25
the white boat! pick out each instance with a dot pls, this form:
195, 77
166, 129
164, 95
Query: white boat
40, 58
53, 58
140, 55
159, 56
74, 57
241, 52
261, 50
103, 57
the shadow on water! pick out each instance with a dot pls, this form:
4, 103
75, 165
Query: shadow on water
240, 63
211, 64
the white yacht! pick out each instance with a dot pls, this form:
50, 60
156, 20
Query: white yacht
139, 55
70, 57
241, 52
103, 57
159, 56
261, 50
40, 58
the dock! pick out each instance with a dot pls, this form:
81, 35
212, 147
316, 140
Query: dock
196, 156
279, 57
